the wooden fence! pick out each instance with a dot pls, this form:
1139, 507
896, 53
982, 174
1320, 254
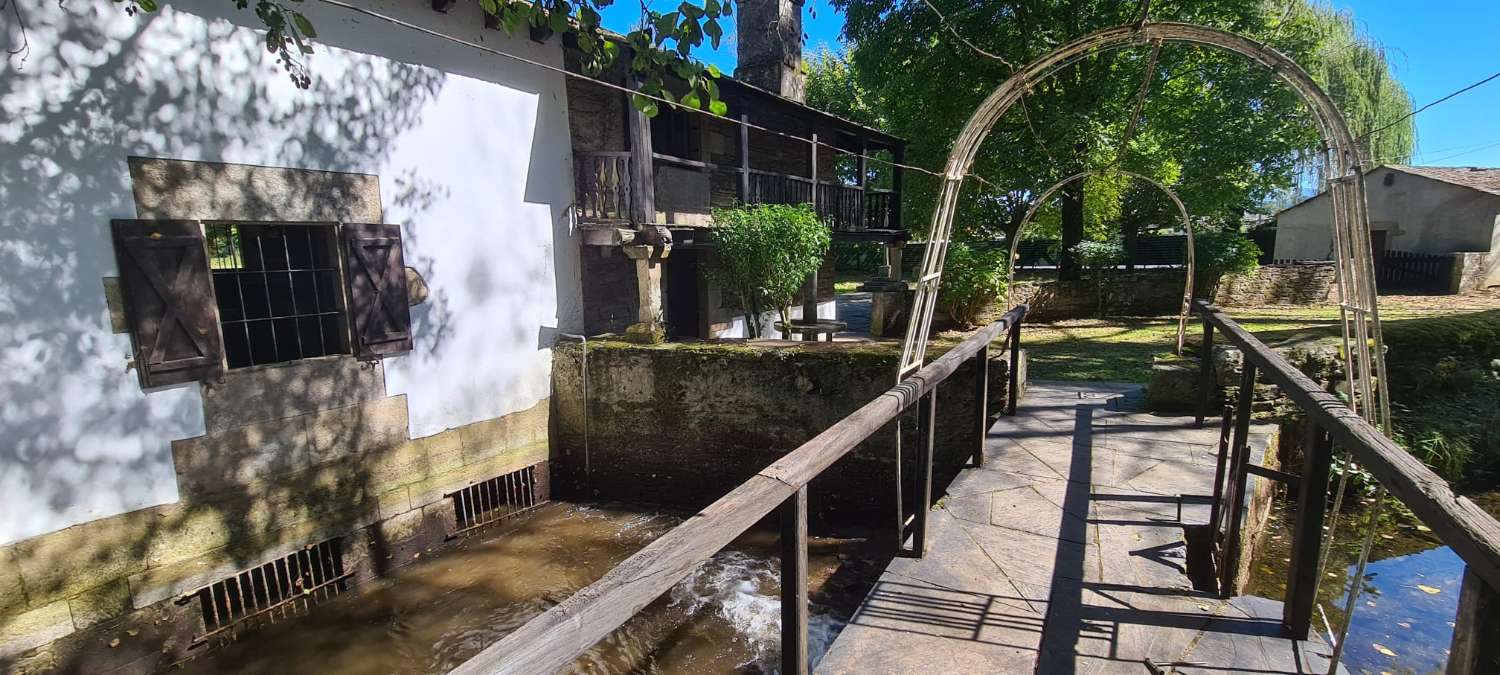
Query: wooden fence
1417, 272
554, 640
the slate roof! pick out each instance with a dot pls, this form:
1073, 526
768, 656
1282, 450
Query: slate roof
1479, 178
1482, 179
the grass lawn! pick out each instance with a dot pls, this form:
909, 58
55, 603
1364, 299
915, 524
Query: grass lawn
1445, 388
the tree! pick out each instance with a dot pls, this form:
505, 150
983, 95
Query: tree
765, 253
659, 49
1224, 132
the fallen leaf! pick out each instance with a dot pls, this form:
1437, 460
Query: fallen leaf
1382, 649
114, 643
1430, 590
1420, 528
1405, 625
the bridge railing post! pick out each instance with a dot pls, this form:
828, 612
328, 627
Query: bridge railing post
1238, 477
1216, 506
1307, 532
1206, 372
981, 402
1476, 628
1013, 391
926, 436
794, 583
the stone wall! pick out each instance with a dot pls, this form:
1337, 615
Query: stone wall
679, 425
1158, 292
293, 455
1301, 283
1475, 271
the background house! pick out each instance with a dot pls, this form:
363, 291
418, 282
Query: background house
642, 182
1415, 212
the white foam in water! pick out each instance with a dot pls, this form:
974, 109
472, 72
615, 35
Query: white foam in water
744, 590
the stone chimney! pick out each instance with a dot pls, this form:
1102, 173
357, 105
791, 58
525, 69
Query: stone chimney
769, 46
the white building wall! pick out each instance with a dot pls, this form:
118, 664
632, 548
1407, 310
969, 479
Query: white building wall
1417, 213
473, 157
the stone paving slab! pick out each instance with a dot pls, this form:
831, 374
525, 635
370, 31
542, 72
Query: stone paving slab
1064, 553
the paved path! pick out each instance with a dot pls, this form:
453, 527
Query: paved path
1064, 554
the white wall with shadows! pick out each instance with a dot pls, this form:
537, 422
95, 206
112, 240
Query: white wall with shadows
473, 157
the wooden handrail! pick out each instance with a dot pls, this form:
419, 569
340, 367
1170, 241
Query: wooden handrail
1461, 524
555, 639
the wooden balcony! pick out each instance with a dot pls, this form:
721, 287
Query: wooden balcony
604, 194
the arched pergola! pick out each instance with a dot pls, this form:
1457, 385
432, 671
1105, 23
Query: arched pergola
1351, 232
1182, 213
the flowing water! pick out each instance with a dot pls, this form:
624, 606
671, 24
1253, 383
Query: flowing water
1403, 616
434, 614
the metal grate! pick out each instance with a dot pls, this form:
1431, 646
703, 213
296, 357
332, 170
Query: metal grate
278, 292
276, 590
495, 500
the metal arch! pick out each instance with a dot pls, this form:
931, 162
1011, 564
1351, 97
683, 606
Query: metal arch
1351, 232
1187, 226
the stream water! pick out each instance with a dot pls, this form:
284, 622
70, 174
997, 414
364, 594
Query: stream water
1403, 616
434, 614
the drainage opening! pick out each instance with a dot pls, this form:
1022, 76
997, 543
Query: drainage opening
279, 589
495, 500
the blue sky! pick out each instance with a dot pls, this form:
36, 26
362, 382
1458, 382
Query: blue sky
1436, 48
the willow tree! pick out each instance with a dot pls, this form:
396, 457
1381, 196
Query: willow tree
1224, 133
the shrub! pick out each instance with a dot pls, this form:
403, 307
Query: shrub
973, 279
765, 253
1220, 252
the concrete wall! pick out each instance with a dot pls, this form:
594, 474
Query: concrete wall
113, 499
1418, 214
717, 413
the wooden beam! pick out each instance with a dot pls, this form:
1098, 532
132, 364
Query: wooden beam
1205, 373
1460, 523
1475, 648
642, 175
1307, 533
794, 595
981, 402
744, 159
1239, 479
926, 437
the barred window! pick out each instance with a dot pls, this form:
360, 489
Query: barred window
278, 290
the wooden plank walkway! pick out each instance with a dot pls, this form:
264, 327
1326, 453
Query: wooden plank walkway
1064, 554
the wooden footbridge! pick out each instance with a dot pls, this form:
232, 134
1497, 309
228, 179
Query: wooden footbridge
1061, 548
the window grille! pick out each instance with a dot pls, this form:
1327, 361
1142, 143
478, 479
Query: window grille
279, 292
282, 588
495, 500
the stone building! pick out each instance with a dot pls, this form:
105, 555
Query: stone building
262, 341
647, 186
1421, 210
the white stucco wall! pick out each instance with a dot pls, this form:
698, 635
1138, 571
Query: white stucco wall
1419, 214
472, 154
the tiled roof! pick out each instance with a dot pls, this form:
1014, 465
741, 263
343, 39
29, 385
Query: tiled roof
1479, 178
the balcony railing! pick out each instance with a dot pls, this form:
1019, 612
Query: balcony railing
603, 189
603, 184
846, 208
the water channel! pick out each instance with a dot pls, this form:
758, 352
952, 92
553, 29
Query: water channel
1403, 617
433, 614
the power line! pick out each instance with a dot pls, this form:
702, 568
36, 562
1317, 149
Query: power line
1414, 113
610, 85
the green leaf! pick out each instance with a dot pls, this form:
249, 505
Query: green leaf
491, 7
691, 100
302, 24
718, 107
728, 8
714, 71
146, 5
711, 27
643, 104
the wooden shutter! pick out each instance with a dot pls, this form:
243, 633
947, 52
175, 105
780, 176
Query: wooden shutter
376, 275
169, 300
